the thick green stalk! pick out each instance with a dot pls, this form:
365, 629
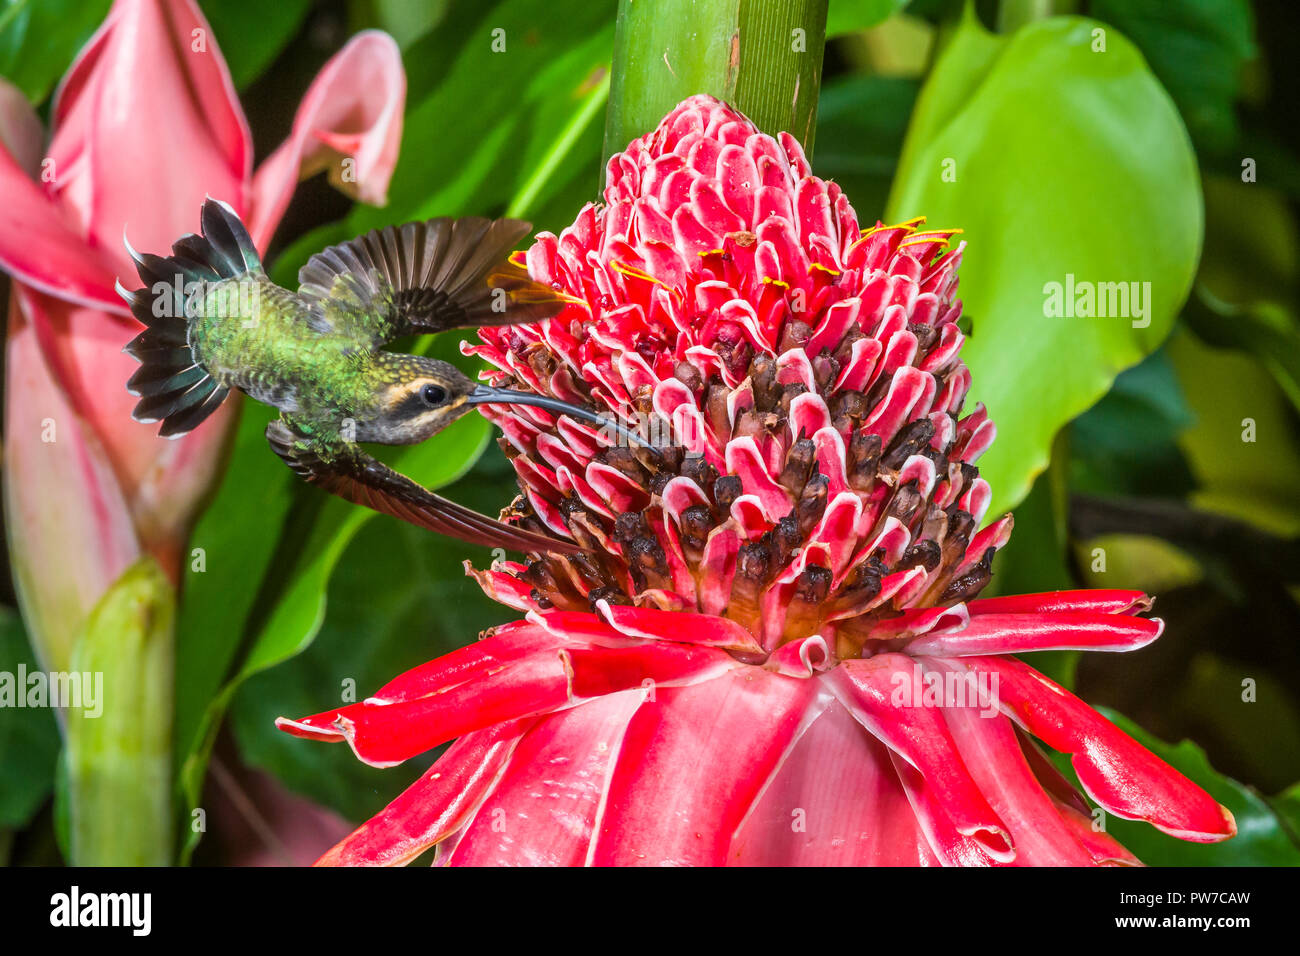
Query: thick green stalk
764, 57
119, 742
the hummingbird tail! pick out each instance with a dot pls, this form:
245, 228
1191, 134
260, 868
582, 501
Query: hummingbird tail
192, 282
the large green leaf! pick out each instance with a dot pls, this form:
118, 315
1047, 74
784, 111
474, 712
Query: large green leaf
398, 598
479, 123
1261, 839
29, 737
861, 121
39, 38
1068, 162
237, 621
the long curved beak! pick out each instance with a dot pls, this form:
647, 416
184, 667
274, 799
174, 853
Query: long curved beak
487, 395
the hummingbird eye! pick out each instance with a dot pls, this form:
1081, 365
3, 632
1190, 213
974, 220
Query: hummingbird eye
433, 395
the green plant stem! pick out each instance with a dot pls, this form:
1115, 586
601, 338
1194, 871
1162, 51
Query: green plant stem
1014, 14
119, 751
764, 57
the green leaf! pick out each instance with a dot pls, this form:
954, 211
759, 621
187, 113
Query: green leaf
1287, 807
1261, 838
39, 38
407, 22
251, 33
861, 121
400, 597
853, 16
296, 254
1197, 48
300, 610
1128, 442
1067, 162
231, 552
263, 624
1242, 449
1246, 291
480, 123
29, 736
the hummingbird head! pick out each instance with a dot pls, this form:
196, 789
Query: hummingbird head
418, 397
415, 397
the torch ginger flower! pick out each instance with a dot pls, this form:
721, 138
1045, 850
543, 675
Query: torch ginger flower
759, 656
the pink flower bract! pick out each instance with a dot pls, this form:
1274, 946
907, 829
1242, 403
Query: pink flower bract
771, 649
145, 123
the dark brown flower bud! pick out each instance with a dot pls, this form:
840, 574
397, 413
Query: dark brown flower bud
726, 489
911, 438
798, 466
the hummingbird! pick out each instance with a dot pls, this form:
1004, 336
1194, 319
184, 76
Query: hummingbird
216, 322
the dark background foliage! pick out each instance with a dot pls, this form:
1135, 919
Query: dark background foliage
1151, 487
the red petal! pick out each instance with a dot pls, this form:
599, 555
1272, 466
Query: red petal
434, 806
881, 693
834, 801
1100, 601
1101, 846
597, 672
508, 644
1044, 631
989, 747
385, 734
684, 626
542, 810
353, 110
691, 766
1114, 769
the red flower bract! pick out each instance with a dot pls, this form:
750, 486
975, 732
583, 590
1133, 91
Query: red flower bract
769, 651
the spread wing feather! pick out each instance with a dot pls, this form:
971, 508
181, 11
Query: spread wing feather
426, 277
357, 477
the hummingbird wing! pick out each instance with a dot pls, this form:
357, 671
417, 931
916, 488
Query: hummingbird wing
353, 475
426, 277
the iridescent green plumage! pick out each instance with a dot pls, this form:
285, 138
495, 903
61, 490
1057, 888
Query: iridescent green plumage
215, 321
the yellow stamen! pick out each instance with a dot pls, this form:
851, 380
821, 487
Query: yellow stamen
636, 273
908, 224
931, 235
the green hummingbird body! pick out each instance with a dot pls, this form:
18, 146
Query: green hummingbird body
215, 322
272, 354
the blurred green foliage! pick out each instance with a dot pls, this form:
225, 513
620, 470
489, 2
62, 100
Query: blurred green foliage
1060, 160
39, 38
1174, 456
